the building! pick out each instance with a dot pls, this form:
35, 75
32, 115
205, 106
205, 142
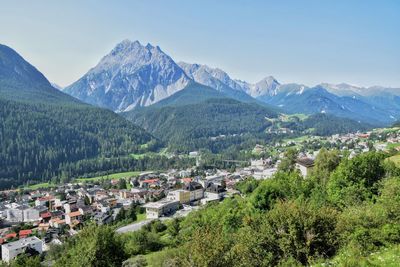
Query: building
15, 215
32, 214
157, 209
195, 189
10, 250
305, 165
213, 192
183, 196
70, 218
150, 183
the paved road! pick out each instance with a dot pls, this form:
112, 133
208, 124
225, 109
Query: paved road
136, 226
133, 226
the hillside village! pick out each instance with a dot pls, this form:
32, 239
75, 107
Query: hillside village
33, 219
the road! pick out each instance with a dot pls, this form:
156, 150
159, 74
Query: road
136, 226
133, 226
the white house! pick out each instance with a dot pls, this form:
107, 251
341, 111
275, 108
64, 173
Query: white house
305, 165
10, 250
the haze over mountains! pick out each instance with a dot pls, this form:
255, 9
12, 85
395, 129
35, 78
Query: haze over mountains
133, 75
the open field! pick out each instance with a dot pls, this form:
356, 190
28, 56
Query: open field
109, 176
395, 159
392, 145
37, 186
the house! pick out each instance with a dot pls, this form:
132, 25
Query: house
10, 236
85, 210
57, 222
24, 233
46, 216
305, 165
70, 218
10, 250
103, 207
183, 196
42, 201
102, 218
195, 189
157, 209
150, 183
213, 192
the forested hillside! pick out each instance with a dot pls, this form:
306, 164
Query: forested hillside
42, 130
200, 117
195, 126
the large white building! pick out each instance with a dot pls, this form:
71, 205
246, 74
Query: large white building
11, 250
157, 209
24, 214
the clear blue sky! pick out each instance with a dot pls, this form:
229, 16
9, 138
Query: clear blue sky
309, 42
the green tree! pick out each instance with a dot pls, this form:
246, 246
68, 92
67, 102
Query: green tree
131, 214
122, 184
325, 162
289, 160
121, 215
355, 180
93, 246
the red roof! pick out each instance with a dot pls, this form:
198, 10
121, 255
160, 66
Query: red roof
186, 180
150, 181
46, 198
25, 232
74, 214
45, 215
10, 235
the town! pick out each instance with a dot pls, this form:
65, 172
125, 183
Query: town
32, 220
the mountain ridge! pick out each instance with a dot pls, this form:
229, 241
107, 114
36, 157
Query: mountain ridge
133, 75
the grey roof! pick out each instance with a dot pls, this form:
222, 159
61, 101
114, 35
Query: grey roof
214, 188
192, 186
22, 243
307, 162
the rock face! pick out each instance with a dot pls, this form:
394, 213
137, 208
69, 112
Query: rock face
131, 75
220, 80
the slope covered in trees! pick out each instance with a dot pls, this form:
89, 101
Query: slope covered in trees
200, 117
44, 132
193, 126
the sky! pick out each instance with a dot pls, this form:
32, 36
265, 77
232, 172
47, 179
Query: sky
309, 42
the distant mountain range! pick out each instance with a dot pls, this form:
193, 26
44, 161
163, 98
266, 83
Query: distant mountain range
133, 75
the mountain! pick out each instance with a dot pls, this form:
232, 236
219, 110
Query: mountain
344, 89
57, 86
220, 80
340, 100
48, 134
131, 75
194, 93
